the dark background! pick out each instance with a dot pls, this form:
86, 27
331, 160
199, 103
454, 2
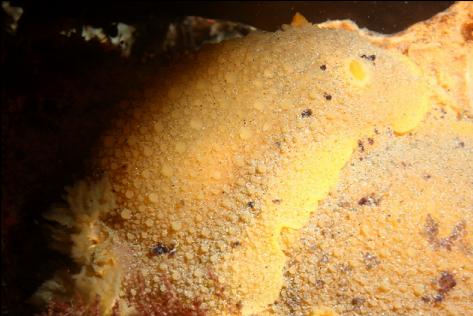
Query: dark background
59, 93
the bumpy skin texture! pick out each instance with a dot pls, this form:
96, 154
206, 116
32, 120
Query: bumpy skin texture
227, 150
394, 236
441, 46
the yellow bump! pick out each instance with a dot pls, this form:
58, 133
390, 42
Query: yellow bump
145, 174
308, 178
143, 130
357, 70
198, 273
268, 73
239, 161
197, 102
147, 151
180, 147
266, 126
125, 214
149, 222
128, 194
204, 248
175, 276
245, 133
214, 259
323, 311
201, 85
153, 197
286, 105
288, 68
407, 116
292, 270
261, 168
230, 77
196, 124
299, 20
258, 83
216, 175
418, 289
258, 105
313, 94
166, 170
158, 127
176, 226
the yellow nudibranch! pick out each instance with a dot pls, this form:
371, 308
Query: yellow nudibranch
227, 149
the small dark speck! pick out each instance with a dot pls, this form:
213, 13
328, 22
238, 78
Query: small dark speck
160, 249
446, 282
369, 200
306, 113
319, 284
361, 146
327, 96
370, 260
235, 244
323, 67
251, 204
239, 305
276, 201
324, 259
427, 176
369, 57
370, 141
425, 299
438, 298
461, 144
357, 301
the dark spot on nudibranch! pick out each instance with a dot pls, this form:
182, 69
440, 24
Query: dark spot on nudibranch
431, 230
361, 146
369, 57
235, 244
438, 298
306, 113
369, 200
327, 96
357, 301
160, 249
323, 67
425, 299
370, 260
446, 282
276, 201
467, 32
250, 204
